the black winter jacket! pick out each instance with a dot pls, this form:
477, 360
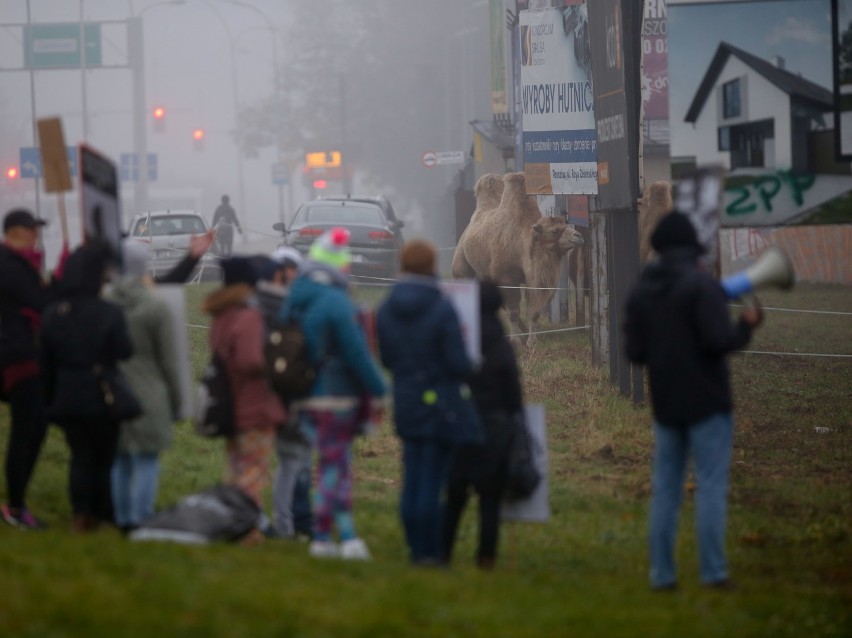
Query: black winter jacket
22, 293
678, 325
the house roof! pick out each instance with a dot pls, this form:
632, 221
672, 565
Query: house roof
790, 83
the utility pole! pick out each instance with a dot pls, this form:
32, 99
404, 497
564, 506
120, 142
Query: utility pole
136, 46
37, 181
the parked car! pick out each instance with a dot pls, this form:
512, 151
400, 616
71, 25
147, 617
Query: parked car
376, 232
167, 234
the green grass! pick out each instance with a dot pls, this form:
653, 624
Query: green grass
581, 574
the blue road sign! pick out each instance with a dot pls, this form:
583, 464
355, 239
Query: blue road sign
279, 174
30, 162
128, 167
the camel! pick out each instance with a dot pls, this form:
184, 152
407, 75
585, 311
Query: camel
514, 245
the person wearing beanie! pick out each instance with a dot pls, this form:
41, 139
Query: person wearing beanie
23, 298
152, 373
330, 415
483, 468
83, 339
420, 342
677, 325
237, 335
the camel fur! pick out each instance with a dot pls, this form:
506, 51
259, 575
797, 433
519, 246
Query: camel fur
514, 245
653, 205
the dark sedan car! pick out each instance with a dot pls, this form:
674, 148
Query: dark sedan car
375, 239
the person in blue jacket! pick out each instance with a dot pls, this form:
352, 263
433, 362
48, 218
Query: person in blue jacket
420, 342
330, 416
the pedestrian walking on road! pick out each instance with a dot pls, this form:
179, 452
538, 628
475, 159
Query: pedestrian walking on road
224, 222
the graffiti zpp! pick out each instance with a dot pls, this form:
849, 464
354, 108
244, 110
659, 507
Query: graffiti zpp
759, 195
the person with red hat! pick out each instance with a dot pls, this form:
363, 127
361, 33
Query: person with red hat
330, 415
23, 298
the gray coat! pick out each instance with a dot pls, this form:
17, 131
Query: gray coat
152, 371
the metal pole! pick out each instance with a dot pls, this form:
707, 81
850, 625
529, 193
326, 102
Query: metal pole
82, 45
37, 181
136, 45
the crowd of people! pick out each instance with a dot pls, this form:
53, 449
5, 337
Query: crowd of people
100, 366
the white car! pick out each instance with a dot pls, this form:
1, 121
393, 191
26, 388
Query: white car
167, 234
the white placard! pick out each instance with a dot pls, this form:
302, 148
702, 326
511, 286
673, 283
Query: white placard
173, 295
536, 508
464, 294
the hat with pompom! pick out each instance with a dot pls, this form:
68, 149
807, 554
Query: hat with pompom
332, 248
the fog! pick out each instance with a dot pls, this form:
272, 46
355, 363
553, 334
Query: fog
382, 81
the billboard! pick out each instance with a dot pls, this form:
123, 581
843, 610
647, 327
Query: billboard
559, 144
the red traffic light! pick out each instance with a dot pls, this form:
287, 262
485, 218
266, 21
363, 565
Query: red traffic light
159, 113
320, 184
198, 134
12, 172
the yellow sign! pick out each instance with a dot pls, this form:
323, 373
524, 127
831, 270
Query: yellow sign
322, 159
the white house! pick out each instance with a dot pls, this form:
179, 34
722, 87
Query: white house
752, 113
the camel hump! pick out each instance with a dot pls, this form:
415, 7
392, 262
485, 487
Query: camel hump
514, 191
660, 198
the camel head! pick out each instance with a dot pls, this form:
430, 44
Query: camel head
552, 234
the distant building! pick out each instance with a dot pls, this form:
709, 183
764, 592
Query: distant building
750, 113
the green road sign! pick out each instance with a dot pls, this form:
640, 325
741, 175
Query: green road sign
57, 46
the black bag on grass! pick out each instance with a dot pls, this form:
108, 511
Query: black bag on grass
523, 476
221, 513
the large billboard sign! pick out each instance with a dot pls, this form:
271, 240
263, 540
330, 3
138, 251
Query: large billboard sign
559, 145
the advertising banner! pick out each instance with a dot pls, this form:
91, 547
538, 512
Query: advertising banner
560, 154
655, 61
497, 18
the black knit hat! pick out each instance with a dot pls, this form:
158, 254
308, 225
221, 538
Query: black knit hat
675, 230
238, 270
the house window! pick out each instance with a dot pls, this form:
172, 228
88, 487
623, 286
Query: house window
731, 102
724, 138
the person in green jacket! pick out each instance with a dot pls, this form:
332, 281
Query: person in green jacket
153, 375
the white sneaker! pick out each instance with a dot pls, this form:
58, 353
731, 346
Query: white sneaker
354, 549
323, 549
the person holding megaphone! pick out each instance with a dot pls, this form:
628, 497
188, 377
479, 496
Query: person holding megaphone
678, 326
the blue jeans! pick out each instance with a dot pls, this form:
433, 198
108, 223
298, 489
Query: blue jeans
134, 487
709, 443
426, 468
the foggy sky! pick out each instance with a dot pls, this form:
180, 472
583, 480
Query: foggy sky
188, 71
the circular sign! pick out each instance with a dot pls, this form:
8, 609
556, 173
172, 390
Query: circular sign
429, 159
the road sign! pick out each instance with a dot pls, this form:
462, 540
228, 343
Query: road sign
57, 46
450, 157
429, 159
30, 161
279, 174
128, 167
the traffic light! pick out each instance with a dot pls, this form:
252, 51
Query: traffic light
12, 172
159, 119
198, 139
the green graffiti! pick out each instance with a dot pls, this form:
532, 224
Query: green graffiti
764, 191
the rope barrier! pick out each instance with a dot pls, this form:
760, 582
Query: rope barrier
815, 312
796, 354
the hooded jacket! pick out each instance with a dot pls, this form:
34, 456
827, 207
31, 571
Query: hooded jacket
237, 334
420, 341
151, 371
80, 331
677, 324
319, 300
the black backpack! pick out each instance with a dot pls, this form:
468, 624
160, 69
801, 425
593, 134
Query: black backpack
214, 401
289, 369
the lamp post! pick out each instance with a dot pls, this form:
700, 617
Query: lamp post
136, 48
276, 84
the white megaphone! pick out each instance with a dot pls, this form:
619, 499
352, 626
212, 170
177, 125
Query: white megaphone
773, 268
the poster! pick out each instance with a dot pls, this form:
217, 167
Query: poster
559, 143
99, 202
464, 294
536, 508
173, 295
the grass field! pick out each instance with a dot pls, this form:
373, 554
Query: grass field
584, 573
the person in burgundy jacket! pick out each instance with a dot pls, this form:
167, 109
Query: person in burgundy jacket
237, 335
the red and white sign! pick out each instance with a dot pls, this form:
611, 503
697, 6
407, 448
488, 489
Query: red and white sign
430, 159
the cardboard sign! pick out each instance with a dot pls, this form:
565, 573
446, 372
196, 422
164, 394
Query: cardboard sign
99, 203
54, 160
